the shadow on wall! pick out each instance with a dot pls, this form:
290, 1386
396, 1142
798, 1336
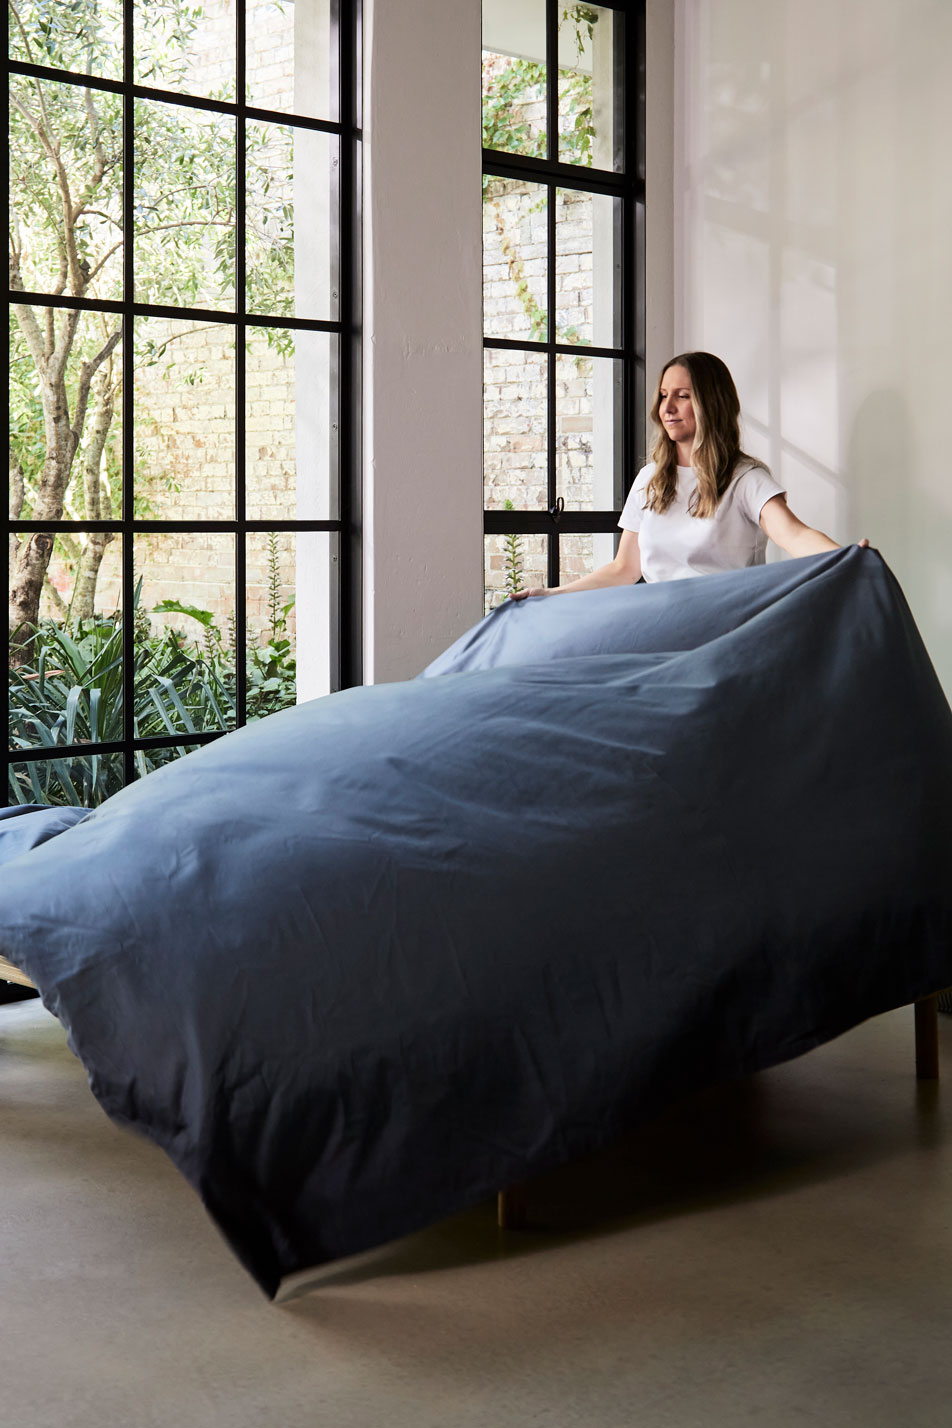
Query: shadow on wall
891, 504
877, 455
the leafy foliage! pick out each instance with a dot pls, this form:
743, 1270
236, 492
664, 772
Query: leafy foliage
510, 89
512, 558
66, 237
70, 692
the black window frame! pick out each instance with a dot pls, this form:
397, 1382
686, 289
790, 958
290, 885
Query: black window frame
628, 186
346, 50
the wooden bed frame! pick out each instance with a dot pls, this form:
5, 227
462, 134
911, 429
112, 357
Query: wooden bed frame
511, 1203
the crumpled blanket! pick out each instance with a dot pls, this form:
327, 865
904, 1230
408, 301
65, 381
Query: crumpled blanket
359, 965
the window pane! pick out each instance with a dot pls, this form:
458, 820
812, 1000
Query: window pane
82, 782
515, 406
66, 679
316, 611
588, 268
588, 442
76, 204
184, 206
84, 36
514, 71
272, 623
51, 475
185, 47
185, 627
581, 554
291, 216
513, 563
514, 260
184, 420
289, 57
147, 760
591, 97
291, 462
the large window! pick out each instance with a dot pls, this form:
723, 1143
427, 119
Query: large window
180, 525
563, 284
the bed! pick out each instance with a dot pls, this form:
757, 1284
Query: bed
359, 965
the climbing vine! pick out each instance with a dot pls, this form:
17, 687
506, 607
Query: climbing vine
509, 91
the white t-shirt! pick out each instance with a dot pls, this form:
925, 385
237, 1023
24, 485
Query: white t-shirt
677, 544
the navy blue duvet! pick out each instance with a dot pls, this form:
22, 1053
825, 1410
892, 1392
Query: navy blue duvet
361, 964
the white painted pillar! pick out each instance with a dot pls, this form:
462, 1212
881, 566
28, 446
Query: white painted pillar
663, 159
422, 438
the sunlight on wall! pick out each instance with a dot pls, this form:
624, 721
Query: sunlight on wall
813, 206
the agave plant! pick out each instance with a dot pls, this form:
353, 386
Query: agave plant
69, 692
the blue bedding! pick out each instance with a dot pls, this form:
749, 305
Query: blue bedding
361, 964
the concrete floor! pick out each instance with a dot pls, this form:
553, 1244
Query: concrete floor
775, 1253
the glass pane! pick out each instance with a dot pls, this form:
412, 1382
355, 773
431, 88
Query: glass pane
290, 62
515, 411
184, 206
581, 554
186, 47
147, 760
291, 460
591, 97
51, 475
185, 633
84, 36
74, 205
514, 260
588, 268
513, 563
589, 430
66, 678
271, 668
514, 76
184, 404
317, 599
82, 782
291, 217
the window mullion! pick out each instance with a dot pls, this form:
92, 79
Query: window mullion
128, 398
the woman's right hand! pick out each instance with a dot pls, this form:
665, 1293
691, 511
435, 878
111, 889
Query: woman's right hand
525, 594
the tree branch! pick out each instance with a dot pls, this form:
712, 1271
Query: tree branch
60, 354
17, 488
86, 374
26, 319
99, 161
94, 272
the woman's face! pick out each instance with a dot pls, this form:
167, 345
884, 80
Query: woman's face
675, 407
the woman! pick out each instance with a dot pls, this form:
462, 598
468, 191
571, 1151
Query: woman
701, 505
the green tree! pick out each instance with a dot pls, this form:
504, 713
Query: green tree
66, 239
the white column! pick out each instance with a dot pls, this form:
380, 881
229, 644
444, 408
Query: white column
422, 331
662, 160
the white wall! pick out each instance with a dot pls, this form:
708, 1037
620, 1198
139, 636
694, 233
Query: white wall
423, 544
813, 226
660, 170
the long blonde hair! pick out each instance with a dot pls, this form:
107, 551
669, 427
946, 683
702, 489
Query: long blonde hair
716, 450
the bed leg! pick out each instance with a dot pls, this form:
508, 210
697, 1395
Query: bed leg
511, 1208
927, 1038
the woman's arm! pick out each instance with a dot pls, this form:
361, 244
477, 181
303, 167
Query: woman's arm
780, 525
625, 569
